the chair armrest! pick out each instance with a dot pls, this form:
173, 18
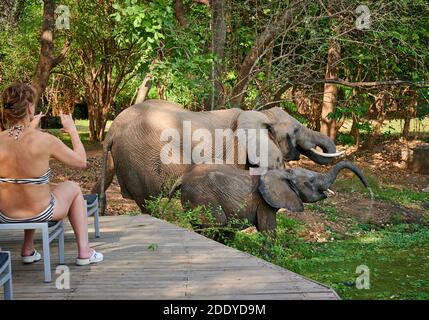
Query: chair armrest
4, 257
91, 199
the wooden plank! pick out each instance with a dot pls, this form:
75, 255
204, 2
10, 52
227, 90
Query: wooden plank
184, 265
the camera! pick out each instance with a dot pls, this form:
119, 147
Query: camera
51, 122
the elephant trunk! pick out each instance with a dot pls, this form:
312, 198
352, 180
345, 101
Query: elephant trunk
308, 140
329, 178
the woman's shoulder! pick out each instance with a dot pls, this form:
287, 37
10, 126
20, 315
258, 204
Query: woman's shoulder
40, 138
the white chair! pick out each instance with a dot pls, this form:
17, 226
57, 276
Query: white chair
52, 230
91, 201
6, 274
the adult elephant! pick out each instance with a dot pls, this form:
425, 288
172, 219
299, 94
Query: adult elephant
133, 146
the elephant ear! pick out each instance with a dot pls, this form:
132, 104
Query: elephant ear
276, 190
252, 142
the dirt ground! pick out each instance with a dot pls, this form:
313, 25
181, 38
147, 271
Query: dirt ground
382, 164
116, 205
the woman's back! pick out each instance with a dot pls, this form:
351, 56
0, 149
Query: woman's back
23, 158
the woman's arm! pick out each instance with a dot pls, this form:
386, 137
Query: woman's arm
59, 151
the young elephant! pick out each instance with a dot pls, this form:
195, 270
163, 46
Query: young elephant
232, 192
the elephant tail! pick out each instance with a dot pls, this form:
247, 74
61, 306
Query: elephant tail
175, 187
107, 172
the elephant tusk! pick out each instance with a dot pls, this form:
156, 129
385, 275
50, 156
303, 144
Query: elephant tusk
330, 191
327, 155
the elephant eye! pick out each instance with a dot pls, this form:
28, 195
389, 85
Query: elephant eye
308, 185
312, 179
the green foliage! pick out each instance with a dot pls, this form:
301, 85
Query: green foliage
152, 247
346, 139
201, 219
19, 47
141, 24
147, 36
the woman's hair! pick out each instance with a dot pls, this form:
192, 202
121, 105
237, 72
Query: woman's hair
16, 99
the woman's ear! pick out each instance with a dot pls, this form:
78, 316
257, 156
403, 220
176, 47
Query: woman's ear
275, 189
31, 110
273, 158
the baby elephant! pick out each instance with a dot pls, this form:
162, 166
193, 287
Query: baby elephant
232, 192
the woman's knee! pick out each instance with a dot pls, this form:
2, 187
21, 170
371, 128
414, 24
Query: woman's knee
74, 187
67, 191
65, 195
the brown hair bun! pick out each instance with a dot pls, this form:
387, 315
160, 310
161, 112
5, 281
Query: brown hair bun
16, 99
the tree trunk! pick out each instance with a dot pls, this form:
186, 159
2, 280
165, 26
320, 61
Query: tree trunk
406, 129
40, 80
97, 121
380, 103
218, 50
180, 13
330, 93
91, 118
47, 61
354, 131
279, 25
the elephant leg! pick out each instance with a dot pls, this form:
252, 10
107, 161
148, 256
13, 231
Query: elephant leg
141, 206
265, 218
220, 217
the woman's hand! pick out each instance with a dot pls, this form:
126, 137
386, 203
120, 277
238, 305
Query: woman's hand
34, 124
68, 123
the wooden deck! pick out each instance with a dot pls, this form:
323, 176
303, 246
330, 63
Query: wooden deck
146, 258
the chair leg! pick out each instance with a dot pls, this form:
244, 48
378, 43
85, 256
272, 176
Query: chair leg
46, 254
96, 224
61, 244
8, 291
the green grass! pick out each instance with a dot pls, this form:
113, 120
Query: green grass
397, 258
404, 196
82, 127
331, 212
393, 194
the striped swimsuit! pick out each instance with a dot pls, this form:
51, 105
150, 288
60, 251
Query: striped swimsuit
46, 214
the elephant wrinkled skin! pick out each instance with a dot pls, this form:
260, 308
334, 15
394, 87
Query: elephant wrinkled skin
133, 146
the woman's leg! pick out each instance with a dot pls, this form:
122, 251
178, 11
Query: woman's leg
28, 245
69, 202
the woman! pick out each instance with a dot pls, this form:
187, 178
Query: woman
25, 194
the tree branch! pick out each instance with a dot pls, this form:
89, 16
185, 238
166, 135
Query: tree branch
205, 2
62, 55
362, 84
270, 33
